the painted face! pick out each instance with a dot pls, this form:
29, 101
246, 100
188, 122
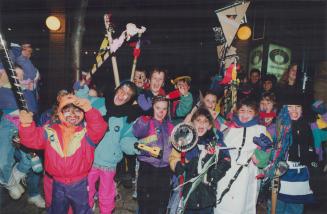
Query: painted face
139, 79
267, 85
295, 111
202, 125
160, 109
210, 101
255, 76
156, 82
123, 95
292, 73
72, 115
266, 105
245, 113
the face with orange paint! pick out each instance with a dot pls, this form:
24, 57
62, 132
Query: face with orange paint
160, 109
72, 115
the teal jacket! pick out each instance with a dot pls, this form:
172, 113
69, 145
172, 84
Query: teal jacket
117, 140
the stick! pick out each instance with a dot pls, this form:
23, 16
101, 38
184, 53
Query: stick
113, 58
12, 77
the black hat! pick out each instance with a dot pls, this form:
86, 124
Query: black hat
292, 99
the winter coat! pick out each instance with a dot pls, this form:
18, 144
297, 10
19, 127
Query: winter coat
242, 196
75, 164
158, 131
117, 140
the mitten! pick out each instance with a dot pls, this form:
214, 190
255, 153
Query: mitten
82, 103
25, 118
263, 142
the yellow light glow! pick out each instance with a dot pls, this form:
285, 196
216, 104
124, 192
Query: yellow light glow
244, 32
53, 23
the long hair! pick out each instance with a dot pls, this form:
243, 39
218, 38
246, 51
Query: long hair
284, 79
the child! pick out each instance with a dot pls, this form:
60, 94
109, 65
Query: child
140, 80
294, 190
182, 98
210, 101
203, 199
110, 150
268, 111
245, 135
157, 79
69, 150
153, 185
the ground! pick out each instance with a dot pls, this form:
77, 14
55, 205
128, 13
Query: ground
127, 205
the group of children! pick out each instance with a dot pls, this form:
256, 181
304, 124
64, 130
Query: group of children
87, 136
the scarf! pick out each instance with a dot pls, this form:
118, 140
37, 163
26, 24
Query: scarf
236, 123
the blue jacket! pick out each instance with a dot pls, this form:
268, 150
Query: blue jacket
117, 140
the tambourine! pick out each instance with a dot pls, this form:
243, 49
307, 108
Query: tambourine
184, 137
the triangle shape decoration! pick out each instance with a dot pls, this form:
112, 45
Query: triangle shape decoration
230, 19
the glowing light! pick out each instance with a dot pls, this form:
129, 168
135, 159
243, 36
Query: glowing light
53, 23
244, 32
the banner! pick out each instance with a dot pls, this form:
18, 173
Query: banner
279, 58
255, 60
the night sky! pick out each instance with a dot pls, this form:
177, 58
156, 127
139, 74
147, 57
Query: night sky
179, 33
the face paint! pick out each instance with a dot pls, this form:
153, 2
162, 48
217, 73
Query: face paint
245, 113
160, 109
73, 115
139, 79
123, 95
295, 111
202, 125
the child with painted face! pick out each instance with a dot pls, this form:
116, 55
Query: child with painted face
118, 139
252, 151
294, 190
153, 185
203, 198
68, 150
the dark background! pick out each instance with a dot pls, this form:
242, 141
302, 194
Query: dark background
179, 34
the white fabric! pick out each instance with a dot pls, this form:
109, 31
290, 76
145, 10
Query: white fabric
295, 188
242, 197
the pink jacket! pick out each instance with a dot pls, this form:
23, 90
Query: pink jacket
75, 162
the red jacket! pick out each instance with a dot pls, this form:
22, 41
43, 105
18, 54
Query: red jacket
73, 163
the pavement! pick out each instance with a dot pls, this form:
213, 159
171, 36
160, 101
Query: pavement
125, 204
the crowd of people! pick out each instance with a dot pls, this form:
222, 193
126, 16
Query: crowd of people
88, 142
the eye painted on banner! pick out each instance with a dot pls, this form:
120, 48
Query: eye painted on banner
256, 57
279, 57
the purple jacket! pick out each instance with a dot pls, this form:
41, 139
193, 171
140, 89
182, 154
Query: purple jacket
148, 126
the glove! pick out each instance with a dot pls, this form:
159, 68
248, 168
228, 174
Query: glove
319, 107
82, 103
179, 168
25, 118
263, 142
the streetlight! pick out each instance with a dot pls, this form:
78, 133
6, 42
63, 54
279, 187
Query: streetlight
53, 23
